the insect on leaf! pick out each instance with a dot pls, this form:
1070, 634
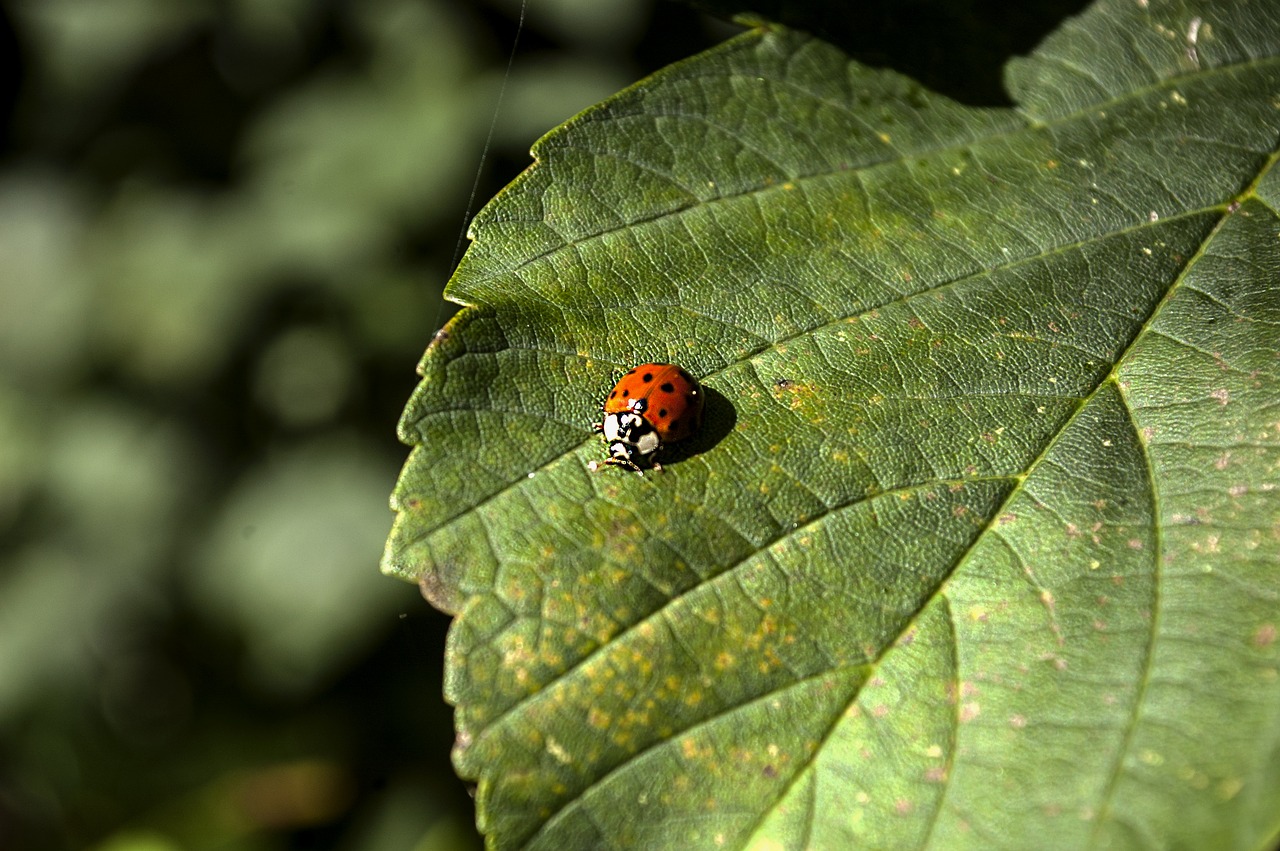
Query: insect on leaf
979, 545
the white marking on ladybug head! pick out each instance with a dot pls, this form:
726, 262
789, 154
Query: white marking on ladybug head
627, 427
611, 427
648, 442
630, 437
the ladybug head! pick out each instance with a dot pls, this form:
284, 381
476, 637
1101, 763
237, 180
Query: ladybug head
631, 437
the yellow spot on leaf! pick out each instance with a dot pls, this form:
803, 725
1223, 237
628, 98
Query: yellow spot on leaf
558, 752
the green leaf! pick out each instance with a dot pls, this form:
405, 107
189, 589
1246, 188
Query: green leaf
980, 544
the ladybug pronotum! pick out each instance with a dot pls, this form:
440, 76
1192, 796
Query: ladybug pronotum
651, 406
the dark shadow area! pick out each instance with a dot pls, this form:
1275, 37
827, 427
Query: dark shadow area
718, 419
10, 79
955, 47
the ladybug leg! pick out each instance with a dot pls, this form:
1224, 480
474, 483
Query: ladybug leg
597, 466
626, 462
597, 427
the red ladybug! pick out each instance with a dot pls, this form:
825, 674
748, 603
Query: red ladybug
651, 406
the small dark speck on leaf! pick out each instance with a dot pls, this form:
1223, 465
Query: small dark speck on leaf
782, 383
770, 772
1233, 206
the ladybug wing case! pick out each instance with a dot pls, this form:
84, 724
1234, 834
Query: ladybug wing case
675, 406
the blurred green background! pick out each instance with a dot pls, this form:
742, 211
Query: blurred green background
224, 228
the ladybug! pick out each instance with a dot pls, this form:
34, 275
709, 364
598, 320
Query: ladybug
651, 406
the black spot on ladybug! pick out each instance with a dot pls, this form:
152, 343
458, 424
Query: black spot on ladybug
613, 393
662, 414
675, 425
625, 392
648, 376
631, 372
684, 375
668, 388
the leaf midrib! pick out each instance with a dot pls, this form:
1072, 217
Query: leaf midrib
1157, 559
